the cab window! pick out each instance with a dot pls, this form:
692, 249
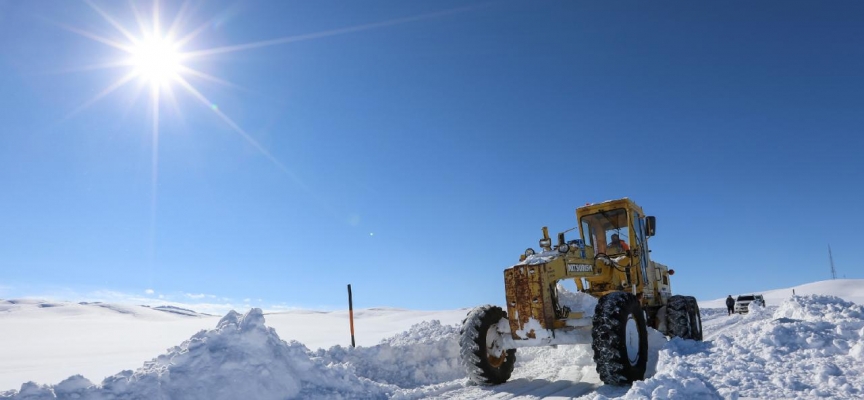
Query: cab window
588, 232
608, 230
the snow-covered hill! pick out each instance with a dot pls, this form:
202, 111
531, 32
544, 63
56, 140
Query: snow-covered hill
803, 347
846, 289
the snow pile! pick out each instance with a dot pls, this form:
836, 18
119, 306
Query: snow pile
675, 379
241, 358
756, 312
428, 353
426, 332
810, 347
820, 308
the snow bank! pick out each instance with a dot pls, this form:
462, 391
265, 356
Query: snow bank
810, 347
820, 308
428, 353
846, 289
243, 358
675, 379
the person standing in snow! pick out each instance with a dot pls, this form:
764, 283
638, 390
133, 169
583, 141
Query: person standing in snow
730, 304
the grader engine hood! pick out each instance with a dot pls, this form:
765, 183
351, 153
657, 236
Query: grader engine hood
531, 294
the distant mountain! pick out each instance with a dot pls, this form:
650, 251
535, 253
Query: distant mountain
67, 308
846, 289
180, 311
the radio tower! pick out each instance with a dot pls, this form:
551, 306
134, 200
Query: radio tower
833, 271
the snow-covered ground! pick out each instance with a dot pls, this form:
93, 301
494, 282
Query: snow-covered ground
803, 347
50, 341
846, 289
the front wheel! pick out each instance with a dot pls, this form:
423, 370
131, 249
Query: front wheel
619, 339
695, 318
482, 346
678, 318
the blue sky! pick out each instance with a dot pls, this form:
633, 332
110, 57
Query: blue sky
416, 155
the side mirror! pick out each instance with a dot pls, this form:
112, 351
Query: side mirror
650, 225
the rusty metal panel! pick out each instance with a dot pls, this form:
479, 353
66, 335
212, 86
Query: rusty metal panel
518, 305
528, 296
541, 302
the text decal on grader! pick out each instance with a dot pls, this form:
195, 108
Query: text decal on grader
609, 261
580, 267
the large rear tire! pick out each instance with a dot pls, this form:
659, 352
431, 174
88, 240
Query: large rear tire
482, 346
620, 339
695, 318
678, 317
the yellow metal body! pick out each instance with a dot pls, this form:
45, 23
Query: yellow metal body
597, 266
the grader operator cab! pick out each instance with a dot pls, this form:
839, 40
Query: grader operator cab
610, 262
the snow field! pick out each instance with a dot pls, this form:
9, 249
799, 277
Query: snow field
808, 347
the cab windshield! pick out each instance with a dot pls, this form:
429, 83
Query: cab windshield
607, 231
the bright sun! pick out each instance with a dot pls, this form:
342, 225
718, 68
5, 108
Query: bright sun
157, 60
153, 56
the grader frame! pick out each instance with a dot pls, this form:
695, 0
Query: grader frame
609, 261
530, 285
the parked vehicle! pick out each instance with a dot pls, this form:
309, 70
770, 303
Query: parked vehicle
742, 304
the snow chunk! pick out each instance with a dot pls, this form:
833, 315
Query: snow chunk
229, 319
33, 391
857, 351
73, 387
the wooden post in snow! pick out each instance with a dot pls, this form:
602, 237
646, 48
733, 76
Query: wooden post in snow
351, 314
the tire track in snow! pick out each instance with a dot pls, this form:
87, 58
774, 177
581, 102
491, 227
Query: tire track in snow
516, 388
721, 323
714, 327
575, 389
536, 389
546, 388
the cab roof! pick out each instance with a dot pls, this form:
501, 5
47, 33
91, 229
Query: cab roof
592, 208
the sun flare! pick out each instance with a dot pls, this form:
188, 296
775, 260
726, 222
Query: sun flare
153, 57
157, 60
159, 53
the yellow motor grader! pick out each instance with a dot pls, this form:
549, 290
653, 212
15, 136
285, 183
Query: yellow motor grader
610, 262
